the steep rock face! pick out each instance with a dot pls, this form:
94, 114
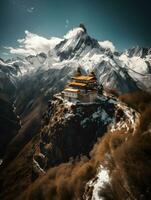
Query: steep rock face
8, 79
71, 130
112, 76
77, 43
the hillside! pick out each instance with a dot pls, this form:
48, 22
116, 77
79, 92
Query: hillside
68, 133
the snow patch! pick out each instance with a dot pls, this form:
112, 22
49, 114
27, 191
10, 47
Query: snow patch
102, 179
69, 115
129, 121
68, 104
1, 161
37, 167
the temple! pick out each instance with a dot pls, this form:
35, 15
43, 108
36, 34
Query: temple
81, 88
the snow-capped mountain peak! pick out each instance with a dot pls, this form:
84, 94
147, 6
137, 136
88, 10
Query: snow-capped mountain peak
124, 72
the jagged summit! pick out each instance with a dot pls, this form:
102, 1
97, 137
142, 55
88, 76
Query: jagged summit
77, 43
138, 51
83, 26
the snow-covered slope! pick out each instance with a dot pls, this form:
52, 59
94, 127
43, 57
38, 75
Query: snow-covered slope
138, 66
8, 78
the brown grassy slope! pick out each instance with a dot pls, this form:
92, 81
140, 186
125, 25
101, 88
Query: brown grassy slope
29, 128
16, 170
140, 101
17, 176
131, 175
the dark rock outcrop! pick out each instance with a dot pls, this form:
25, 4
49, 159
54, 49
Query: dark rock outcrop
71, 130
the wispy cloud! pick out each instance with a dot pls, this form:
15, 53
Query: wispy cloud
107, 45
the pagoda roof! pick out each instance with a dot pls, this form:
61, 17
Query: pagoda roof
77, 84
71, 90
83, 78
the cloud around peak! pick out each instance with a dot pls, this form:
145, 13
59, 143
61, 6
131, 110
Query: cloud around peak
107, 45
33, 44
74, 32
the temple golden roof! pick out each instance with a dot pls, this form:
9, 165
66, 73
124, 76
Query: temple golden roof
83, 78
77, 84
71, 90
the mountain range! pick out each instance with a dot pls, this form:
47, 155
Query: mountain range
44, 138
78, 49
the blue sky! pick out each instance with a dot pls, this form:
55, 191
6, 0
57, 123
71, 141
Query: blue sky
125, 23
